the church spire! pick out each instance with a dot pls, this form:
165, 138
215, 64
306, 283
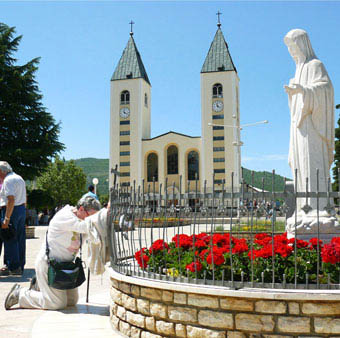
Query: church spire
218, 58
130, 65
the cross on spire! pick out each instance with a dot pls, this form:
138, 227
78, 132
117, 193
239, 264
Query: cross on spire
131, 23
218, 18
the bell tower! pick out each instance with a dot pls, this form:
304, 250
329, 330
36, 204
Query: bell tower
130, 117
220, 115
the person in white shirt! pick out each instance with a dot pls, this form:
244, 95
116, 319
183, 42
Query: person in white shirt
64, 241
13, 191
2, 212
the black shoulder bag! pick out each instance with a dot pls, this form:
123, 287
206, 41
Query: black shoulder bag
65, 275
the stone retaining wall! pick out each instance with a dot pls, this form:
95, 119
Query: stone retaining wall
147, 312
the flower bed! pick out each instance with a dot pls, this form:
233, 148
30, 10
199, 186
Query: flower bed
212, 256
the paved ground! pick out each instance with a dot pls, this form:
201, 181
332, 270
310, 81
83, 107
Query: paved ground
85, 320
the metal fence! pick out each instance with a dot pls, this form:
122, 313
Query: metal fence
161, 234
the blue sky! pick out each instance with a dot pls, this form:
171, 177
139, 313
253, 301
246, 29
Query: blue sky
80, 44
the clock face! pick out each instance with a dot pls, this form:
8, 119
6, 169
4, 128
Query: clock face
218, 106
124, 113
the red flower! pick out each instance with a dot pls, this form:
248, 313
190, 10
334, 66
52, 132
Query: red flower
194, 266
262, 239
158, 246
313, 243
183, 241
215, 256
141, 258
222, 240
200, 244
331, 253
336, 240
299, 243
240, 246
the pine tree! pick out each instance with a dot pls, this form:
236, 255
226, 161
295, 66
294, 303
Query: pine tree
29, 134
336, 155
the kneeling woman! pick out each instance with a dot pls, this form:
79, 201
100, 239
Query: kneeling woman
64, 242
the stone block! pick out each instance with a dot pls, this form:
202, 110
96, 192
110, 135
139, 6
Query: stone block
115, 321
135, 332
182, 314
146, 334
129, 302
294, 324
167, 296
114, 283
216, 319
125, 287
203, 301
150, 323
125, 328
180, 298
121, 312
237, 304
278, 336
165, 327
270, 306
116, 296
257, 323
158, 310
235, 334
327, 325
135, 290
135, 319
293, 308
320, 309
181, 330
198, 332
143, 306
151, 293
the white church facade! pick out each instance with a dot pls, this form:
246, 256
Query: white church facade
212, 157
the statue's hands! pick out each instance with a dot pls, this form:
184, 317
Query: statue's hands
293, 89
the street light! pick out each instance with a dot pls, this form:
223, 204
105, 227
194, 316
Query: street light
95, 181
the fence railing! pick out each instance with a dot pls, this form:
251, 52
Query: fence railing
230, 237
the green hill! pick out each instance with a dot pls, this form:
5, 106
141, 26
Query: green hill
95, 167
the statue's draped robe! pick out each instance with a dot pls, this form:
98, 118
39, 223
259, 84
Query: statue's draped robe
312, 128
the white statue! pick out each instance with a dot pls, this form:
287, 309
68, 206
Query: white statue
311, 102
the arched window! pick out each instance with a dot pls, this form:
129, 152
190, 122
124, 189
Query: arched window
125, 97
172, 157
193, 165
217, 90
146, 100
152, 167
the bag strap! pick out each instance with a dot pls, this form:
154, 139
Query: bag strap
48, 248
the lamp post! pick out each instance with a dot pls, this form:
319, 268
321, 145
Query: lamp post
95, 181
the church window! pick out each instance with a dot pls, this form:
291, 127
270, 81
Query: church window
125, 122
218, 127
146, 100
217, 90
218, 138
172, 156
218, 117
218, 149
125, 97
124, 143
193, 165
124, 164
218, 181
152, 167
124, 153
219, 171
219, 159
125, 184
125, 132
125, 174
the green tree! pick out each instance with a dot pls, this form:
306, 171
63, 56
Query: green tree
336, 155
39, 199
63, 181
29, 134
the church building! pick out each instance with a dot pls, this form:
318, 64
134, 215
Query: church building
213, 157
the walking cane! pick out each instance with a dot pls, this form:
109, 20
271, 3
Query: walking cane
88, 285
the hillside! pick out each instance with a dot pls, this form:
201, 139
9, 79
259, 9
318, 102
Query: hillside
94, 167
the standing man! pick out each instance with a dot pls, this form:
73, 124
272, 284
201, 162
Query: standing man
13, 191
91, 193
